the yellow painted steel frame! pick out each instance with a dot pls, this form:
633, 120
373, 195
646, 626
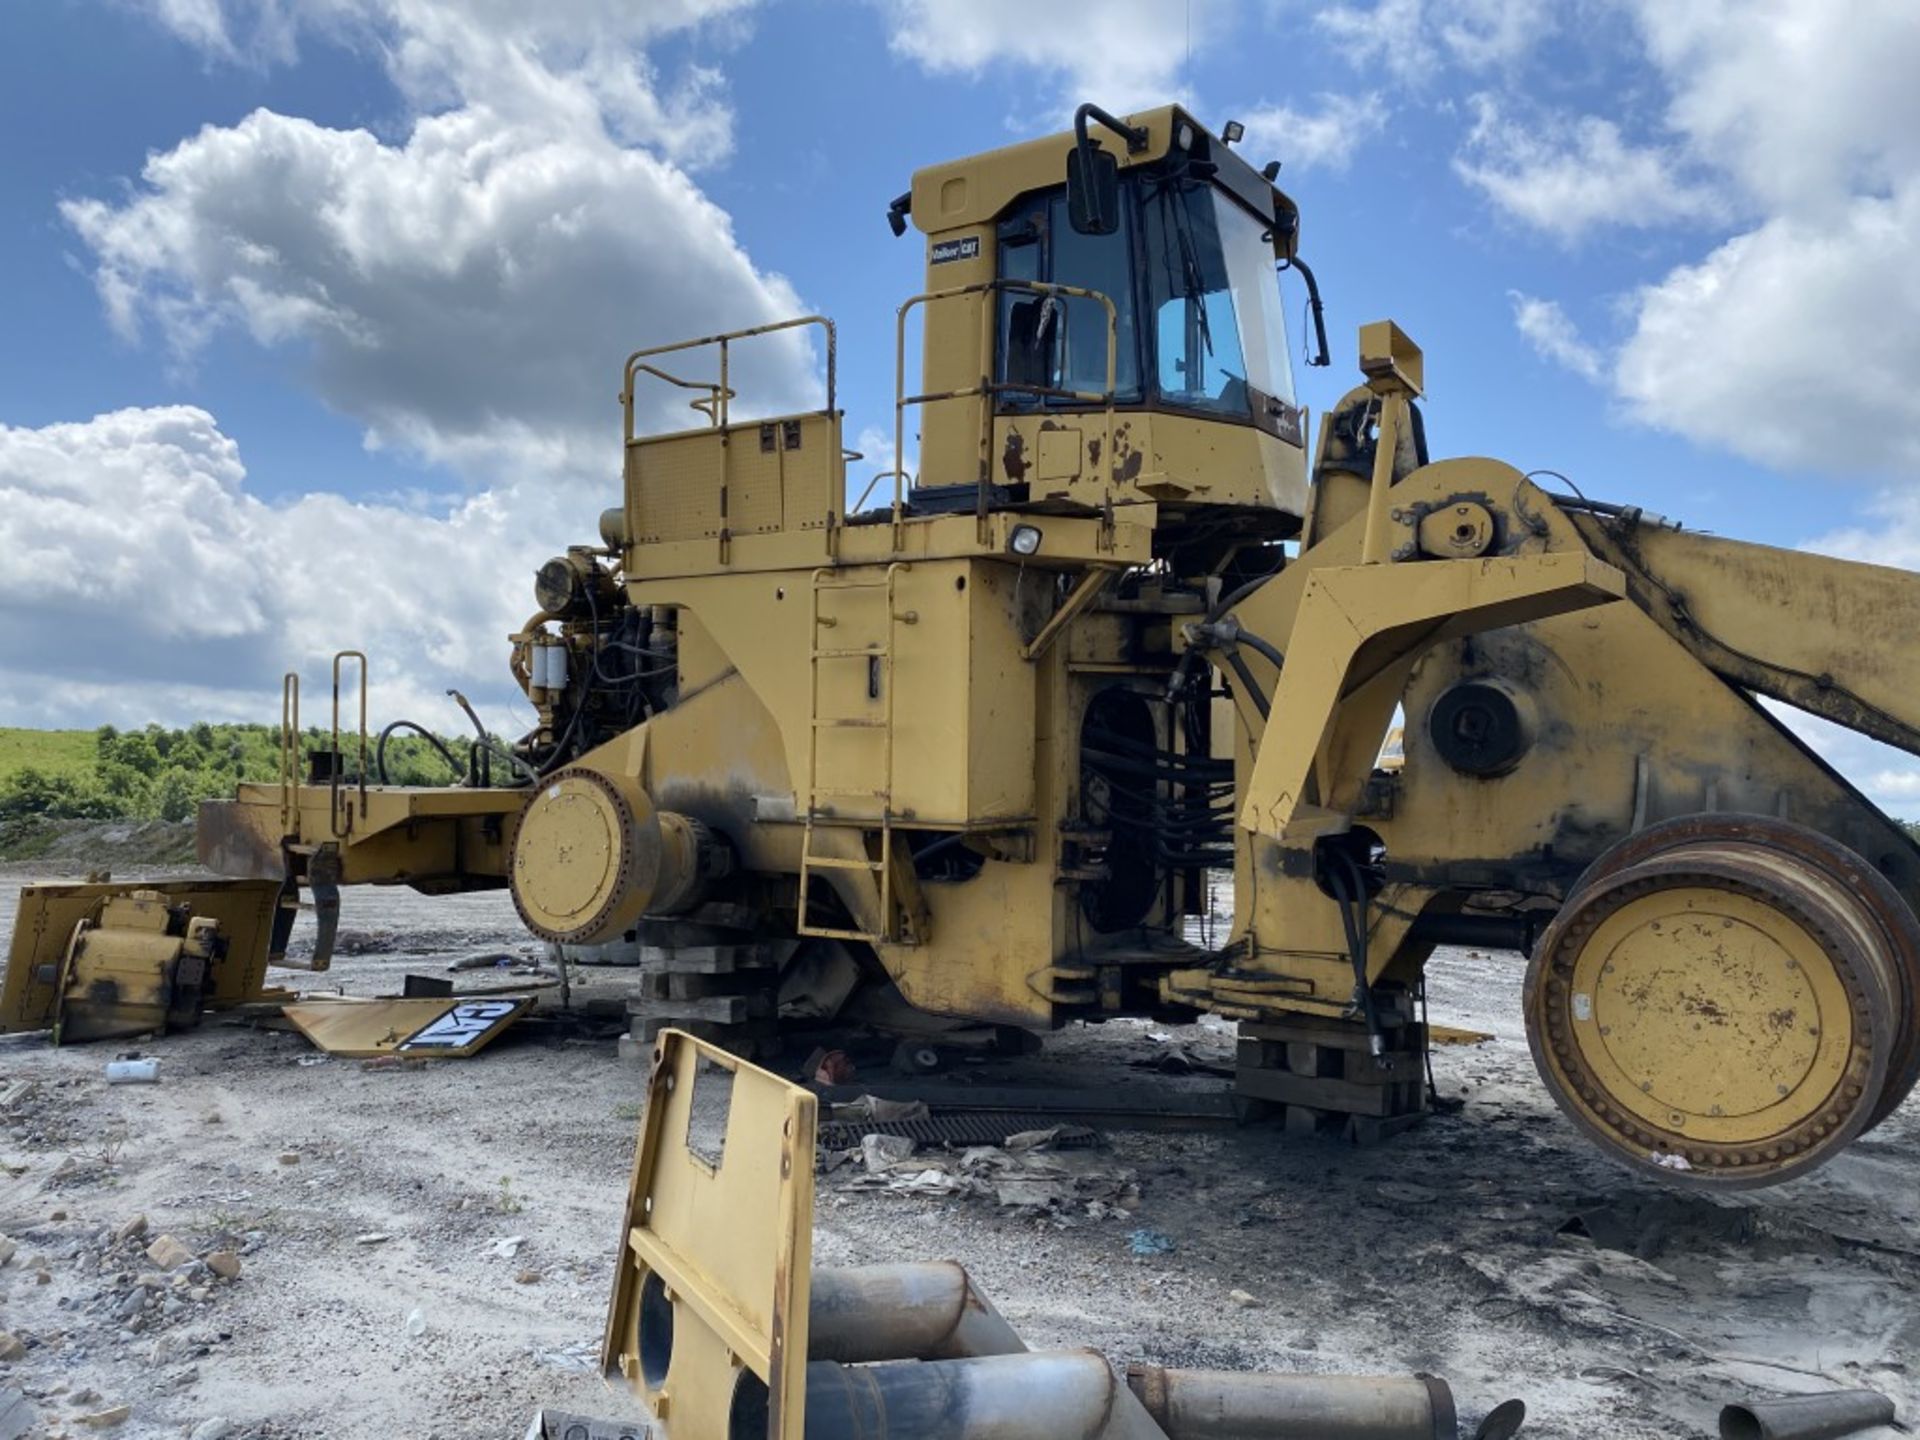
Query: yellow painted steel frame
1630, 728
983, 292
691, 1318
44, 924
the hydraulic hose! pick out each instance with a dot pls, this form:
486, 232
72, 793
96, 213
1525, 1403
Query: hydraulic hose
380, 748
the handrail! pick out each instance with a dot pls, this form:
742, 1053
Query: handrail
708, 407
988, 388
289, 751
879, 475
715, 407
333, 793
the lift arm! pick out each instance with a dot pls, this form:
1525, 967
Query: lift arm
1832, 637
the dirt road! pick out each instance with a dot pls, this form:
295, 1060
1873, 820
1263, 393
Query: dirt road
355, 1198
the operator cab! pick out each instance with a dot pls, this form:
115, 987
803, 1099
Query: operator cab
1181, 394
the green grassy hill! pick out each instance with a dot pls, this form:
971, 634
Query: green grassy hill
161, 774
54, 752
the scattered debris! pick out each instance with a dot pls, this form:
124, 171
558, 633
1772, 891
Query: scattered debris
289, 1157
1452, 1035
1145, 1241
107, 1419
882, 1152
561, 1425
416, 1321
7, 1249
1026, 1176
168, 1253
17, 1417
11, 1346
216, 1427
452, 1028
526, 1277
225, 1264
372, 1237
132, 1230
133, 1072
506, 1249
1243, 1299
873, 1107
830, 1067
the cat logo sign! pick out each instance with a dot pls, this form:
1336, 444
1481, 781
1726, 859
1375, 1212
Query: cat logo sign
447, 1027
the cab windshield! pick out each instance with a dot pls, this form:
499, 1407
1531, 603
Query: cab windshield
1220, 342
1196, 299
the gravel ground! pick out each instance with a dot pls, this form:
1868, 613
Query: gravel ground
1438, 1251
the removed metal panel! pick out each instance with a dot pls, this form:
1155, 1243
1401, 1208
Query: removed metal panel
430, 1029
124, 975
709, 1316
559, 1425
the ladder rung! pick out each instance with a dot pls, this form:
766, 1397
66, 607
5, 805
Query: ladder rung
835, 862
874, 584
823, 933
847, 723
843, 794
850, 654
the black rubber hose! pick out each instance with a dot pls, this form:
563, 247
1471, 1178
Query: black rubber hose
1247, 637
380, 748
1253, 689
1352, 904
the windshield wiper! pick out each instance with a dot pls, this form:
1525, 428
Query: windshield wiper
1174, 198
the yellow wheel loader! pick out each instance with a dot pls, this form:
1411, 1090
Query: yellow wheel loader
981, 742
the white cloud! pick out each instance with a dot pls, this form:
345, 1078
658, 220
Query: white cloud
1794, 344
145, 582
1565, 175
464, 288
1123, 54
1555, 337
1891, 538
466, 291
1326, 136
1407, 37
1805, 103
467, 295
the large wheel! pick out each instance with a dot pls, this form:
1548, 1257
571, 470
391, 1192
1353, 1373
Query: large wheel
1728, 1000
1896, 927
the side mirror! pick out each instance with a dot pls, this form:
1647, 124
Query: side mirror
1093, 190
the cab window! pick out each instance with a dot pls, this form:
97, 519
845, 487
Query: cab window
1059, 343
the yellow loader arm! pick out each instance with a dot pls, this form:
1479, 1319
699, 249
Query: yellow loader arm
1836, 638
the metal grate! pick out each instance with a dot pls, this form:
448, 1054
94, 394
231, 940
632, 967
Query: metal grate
980, 1127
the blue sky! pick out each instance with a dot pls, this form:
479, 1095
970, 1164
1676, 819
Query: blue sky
350, 280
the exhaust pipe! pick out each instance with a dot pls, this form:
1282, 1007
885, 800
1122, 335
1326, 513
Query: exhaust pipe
1051, 1395
1225, 1405
1807, 1417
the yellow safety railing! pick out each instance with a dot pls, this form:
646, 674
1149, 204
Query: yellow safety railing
721, 392
337, 811
289, 751
988, 338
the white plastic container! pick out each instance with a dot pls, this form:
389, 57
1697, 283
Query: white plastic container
133, 1072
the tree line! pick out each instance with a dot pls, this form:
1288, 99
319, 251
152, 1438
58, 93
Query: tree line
162, 774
